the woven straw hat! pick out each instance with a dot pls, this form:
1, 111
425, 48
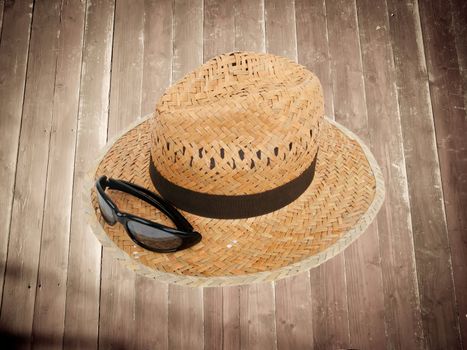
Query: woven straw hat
241, 146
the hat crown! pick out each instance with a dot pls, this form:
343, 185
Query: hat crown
242, 123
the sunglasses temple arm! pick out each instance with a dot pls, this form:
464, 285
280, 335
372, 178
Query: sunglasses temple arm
153, 199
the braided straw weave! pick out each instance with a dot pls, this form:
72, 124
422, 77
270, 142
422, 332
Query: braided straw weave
219, 99
242, 123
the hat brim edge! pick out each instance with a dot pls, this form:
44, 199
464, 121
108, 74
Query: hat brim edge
216, 281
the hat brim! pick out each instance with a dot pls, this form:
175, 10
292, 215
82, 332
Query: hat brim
342, 200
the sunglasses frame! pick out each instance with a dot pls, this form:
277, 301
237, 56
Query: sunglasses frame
184, 229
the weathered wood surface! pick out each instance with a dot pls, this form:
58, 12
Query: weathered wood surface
73, 74
450, 120
49, 309
84, 263
402, 312
433, 258
14, 48
27, 213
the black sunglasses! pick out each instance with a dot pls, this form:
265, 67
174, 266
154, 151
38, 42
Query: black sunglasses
148, 234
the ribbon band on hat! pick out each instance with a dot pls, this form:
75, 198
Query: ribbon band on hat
232, 207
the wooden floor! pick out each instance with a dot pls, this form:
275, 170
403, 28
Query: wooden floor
74, 73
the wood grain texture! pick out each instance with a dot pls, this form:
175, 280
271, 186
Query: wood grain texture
294, 312
257, 320
117, 301
402, 305
30, 182
213, 318
219, 28
185, 322
14, 48
434, 269
151, 296
49, 310
249, 25
127, 66
362, 259
405, 96
450, 121
187, 37
330, 318
279, 18
312, 45
459, 15
84, 264
157, 60
365, 295
231, 317
185, 318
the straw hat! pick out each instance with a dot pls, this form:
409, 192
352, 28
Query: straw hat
241, 146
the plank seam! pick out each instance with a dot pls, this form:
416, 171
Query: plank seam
106, 138
462, 73
74, 166
367, 128
47, 166
17, 150
435, 138
404, 176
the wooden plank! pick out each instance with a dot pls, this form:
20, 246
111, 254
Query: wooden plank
450, 121
294, 312
365, 295
14, 48
82, 300
187, 37
249, 25
312, 45
49, 310
231, 317
279, 17
117, 301
186, 304
330, 318
402, 304
29, 193
432, 252
292, 295
213, 318
185, 317
151, 314
361, 261
157, 60
459, 14
219, 28
257, 320
151, 296
127, 66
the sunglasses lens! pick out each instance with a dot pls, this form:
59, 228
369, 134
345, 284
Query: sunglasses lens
106, 210
153, 237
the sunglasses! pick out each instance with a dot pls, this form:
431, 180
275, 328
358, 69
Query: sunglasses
147, 234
